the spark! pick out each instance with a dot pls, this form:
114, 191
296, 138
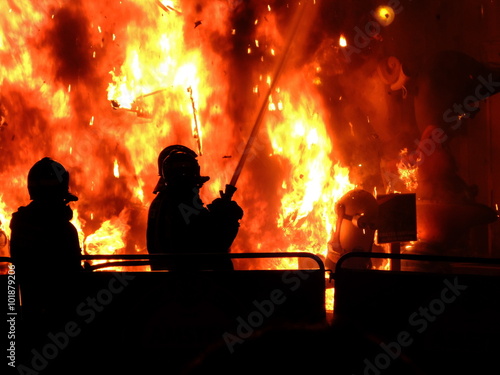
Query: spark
116, 170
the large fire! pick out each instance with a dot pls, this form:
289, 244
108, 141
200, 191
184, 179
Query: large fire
103, 87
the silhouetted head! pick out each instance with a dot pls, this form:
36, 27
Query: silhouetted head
178, 166
49, 180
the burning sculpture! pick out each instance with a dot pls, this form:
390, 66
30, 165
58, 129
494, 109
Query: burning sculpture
447, 206
357, 213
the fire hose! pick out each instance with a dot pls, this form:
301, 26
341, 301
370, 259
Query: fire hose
298, 17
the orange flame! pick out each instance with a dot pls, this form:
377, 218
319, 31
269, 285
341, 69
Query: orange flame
407, 171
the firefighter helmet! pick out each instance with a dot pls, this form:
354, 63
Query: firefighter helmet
48, 179
180, 167
173, 149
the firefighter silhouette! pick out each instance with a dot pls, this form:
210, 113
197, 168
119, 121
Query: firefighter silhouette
180, 223
44, 243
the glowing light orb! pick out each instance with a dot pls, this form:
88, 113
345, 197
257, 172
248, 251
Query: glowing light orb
384, 15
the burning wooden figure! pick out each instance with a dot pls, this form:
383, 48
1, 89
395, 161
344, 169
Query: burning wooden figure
450, 89
357, 215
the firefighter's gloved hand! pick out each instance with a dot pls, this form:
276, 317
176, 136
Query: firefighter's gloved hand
226, 208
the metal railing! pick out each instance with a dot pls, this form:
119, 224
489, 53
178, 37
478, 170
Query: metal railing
127, 260
417, 257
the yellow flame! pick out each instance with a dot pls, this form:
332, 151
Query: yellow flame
407, 172
4, 220
315, 183
116, 169
106, 240
342, 41
329, 299
109, 239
